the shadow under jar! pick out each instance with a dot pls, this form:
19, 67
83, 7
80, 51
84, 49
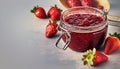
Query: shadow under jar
83, 28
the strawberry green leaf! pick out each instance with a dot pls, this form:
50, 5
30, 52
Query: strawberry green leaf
34, 9
115, 35
57, 7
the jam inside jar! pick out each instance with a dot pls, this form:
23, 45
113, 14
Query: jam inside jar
85, 27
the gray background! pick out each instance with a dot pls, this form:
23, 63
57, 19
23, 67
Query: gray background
24, 46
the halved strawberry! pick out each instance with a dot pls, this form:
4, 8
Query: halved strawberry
112, 43
93, 58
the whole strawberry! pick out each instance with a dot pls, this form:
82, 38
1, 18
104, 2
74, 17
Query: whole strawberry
54, 13
73, 3
39, 12
51, 29
87, 3
112, 43
93, 58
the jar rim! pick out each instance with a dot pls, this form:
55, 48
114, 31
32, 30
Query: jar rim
66, 26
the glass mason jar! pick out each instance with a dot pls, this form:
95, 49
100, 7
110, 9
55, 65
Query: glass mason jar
83, 28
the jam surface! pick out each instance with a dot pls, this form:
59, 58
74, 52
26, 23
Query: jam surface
83, 19
83, 41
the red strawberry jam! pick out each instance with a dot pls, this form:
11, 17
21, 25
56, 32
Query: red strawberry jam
84, 41
87, 27
83, 19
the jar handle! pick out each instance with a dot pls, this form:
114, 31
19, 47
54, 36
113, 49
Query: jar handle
67, 41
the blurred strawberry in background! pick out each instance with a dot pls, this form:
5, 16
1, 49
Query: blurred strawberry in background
73, 3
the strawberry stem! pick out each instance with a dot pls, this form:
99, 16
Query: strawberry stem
57, 7
34, 9
54, 22
49, 21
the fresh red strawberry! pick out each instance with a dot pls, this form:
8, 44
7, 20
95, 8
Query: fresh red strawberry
112, 43
51, 10
56, 16
54, 13
100, 58
51, 29
93, 58
73, 3
39, 12
87, 3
